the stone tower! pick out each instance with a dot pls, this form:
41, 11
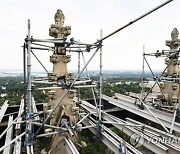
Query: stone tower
67, 107
171, 89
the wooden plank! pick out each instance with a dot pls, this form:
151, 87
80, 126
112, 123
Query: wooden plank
18, 143
9, 136
21, 109
17, 146
12, 141
36, 118
3, 110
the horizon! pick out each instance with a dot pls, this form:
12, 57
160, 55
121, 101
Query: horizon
15, 71
91, 70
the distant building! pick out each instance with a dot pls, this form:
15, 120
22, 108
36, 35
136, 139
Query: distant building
128, 82
3, 87
150, 84
118, 83
3, 95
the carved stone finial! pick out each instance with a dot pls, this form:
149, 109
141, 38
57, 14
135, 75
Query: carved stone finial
174, 34
59, 18
58, 30
175, 42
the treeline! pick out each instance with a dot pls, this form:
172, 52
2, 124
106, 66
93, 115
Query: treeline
12, 89
110, 88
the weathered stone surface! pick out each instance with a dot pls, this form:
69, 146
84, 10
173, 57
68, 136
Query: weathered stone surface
58, 30
60, 75
174, 43
170, 90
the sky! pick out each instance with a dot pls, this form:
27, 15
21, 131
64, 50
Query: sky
122, 51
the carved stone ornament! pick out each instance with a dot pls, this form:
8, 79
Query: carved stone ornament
58, 30
174, 34
67, 58
72, 93
52, 94
54, 58
52, 76
175, 42
69, 77
59, 18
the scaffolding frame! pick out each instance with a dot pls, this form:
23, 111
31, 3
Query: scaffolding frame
72, 46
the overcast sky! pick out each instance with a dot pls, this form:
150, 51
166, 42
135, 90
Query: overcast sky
123, 51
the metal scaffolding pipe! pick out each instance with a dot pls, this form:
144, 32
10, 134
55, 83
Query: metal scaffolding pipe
48, 134
29, 94
29, 140
66, 92
4, 132
100, 80
92, 89
155, 117
174, 117
39, 61
12, 141
137, 19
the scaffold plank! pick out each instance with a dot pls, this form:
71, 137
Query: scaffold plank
36, 118
71, 149
3, 110
9, 136
167, 139
110, 139
120, 124
17, 146
128, 103
21, 110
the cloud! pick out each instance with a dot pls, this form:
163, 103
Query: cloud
86, 18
